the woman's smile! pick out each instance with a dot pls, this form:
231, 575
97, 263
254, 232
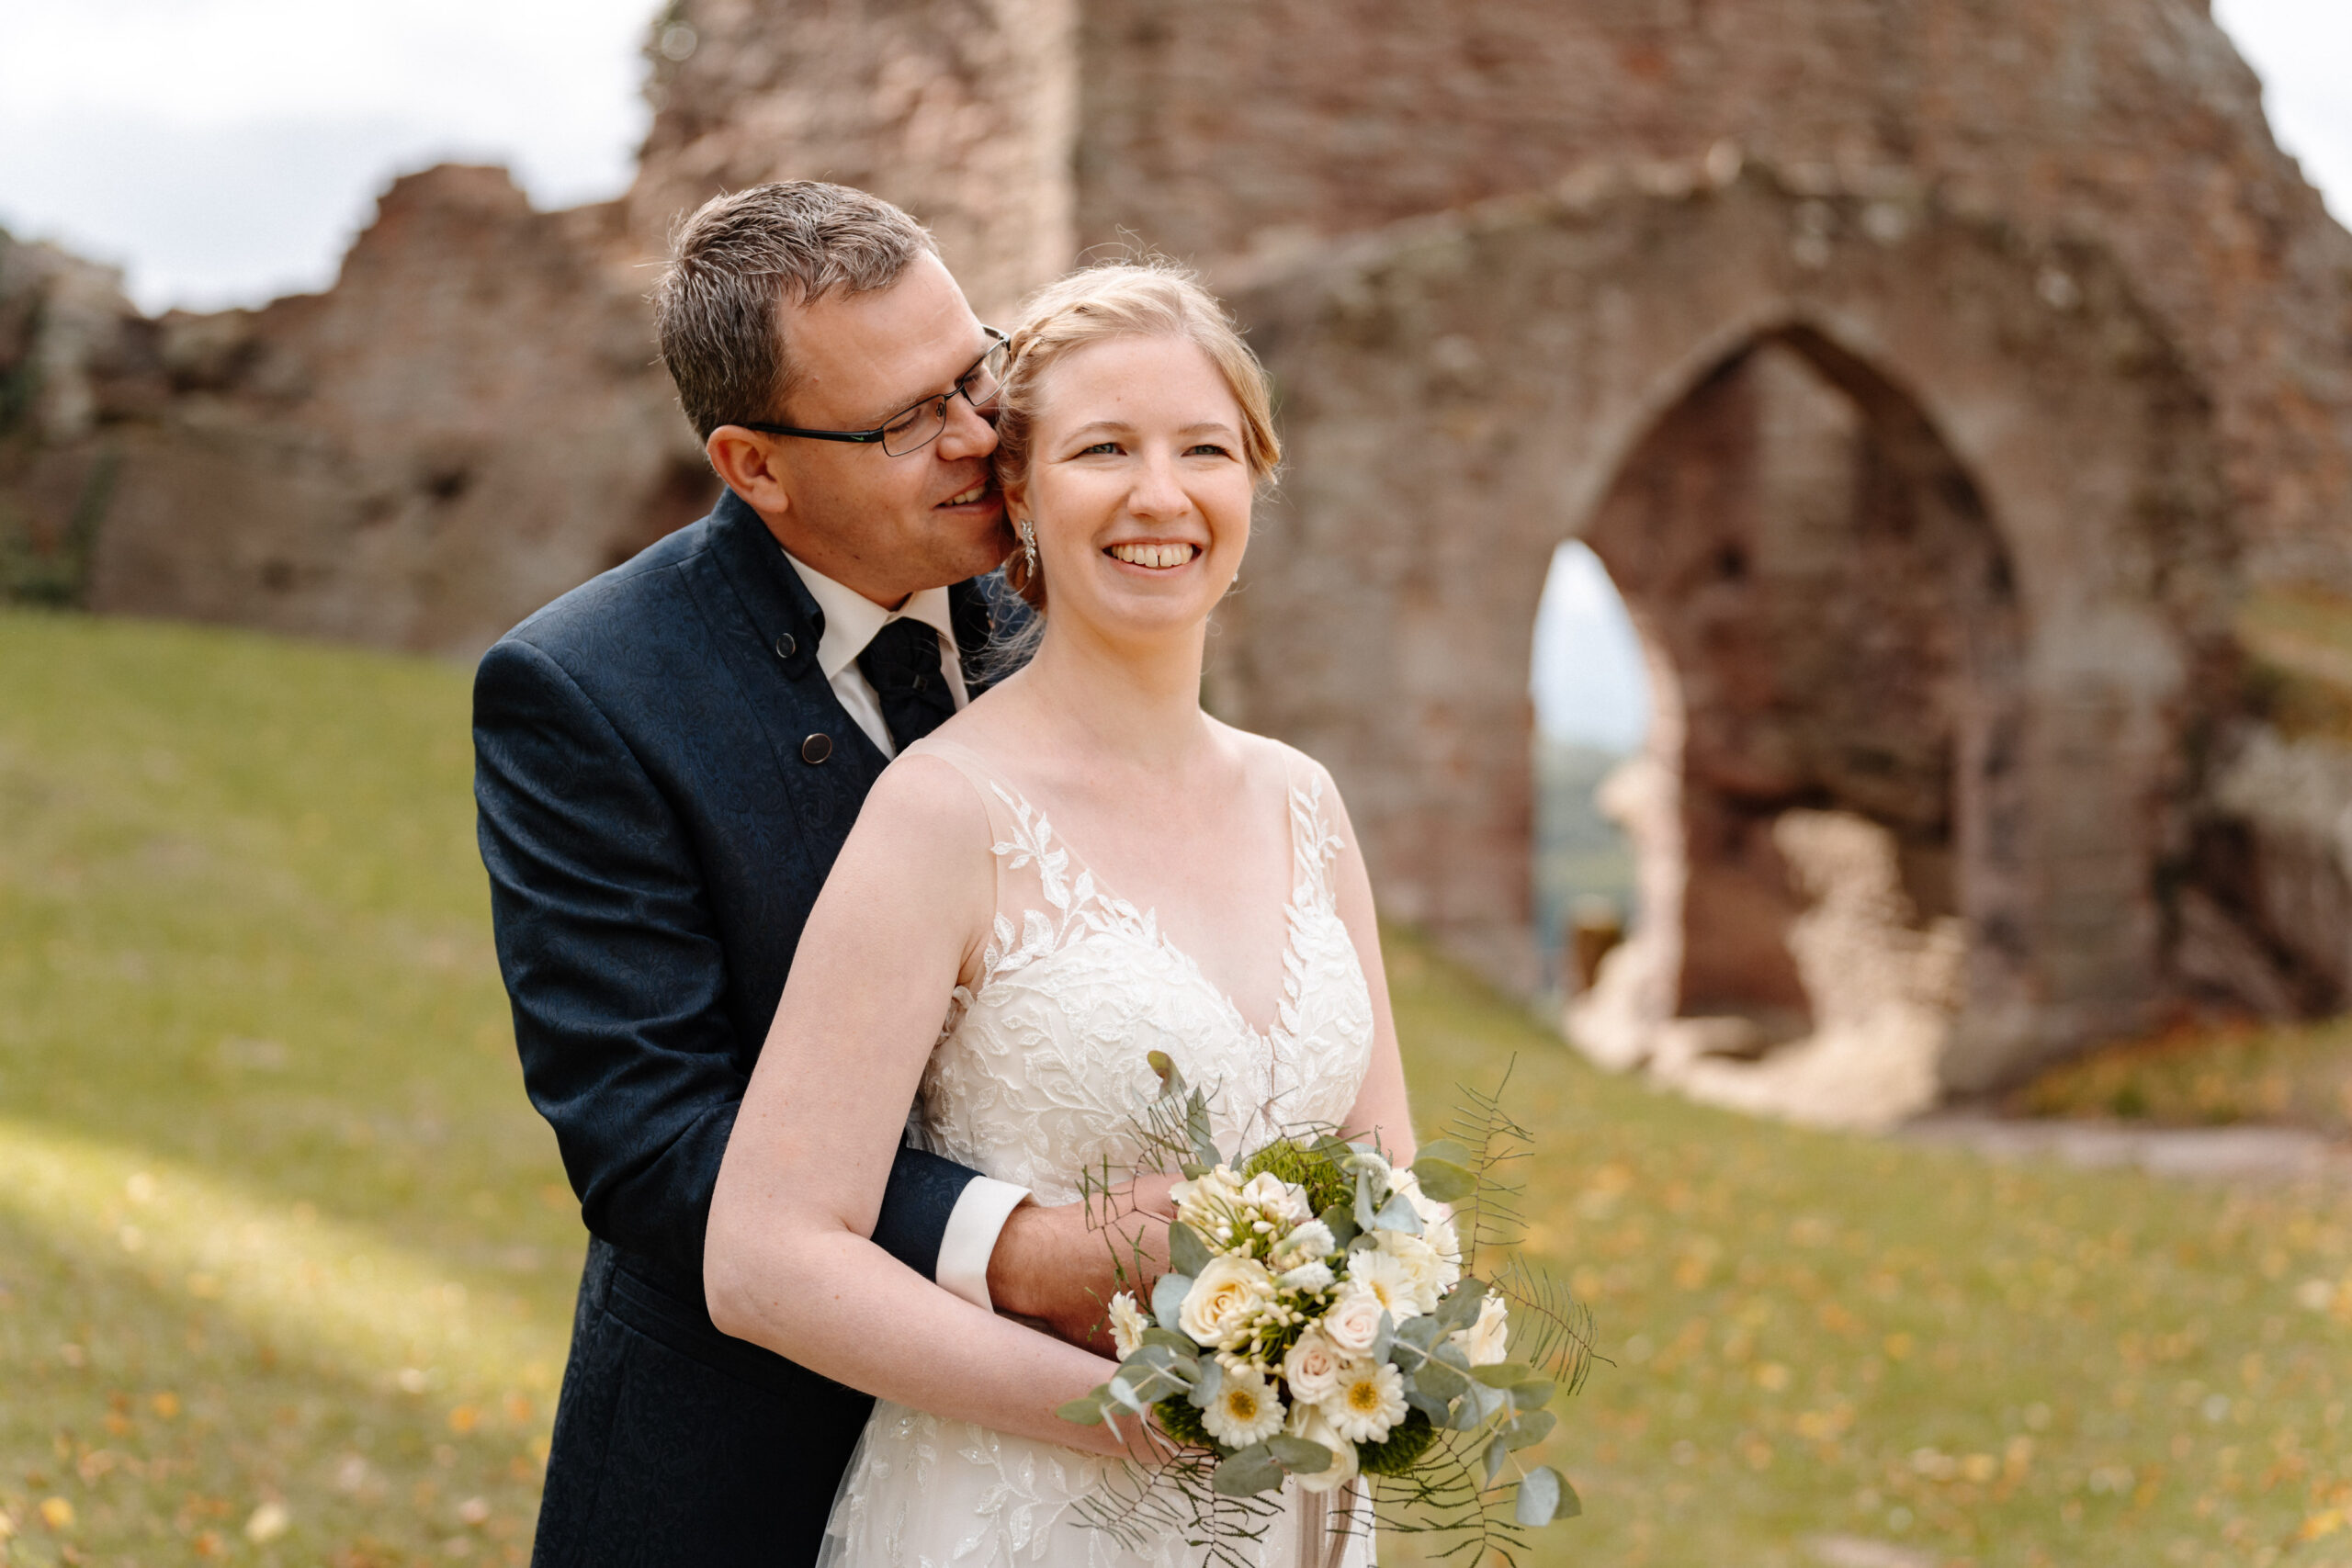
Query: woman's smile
1154, 555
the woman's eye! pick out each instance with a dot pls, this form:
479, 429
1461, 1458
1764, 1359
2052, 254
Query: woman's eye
1210, 449
1099, 447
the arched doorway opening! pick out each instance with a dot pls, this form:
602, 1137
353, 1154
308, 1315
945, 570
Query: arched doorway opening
1591, 691
1823, 808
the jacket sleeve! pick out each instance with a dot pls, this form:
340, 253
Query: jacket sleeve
618, 979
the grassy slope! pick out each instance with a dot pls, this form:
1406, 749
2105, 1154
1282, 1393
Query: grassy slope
276, 1226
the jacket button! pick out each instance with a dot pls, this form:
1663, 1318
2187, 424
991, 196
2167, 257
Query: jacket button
817, 748
786, 645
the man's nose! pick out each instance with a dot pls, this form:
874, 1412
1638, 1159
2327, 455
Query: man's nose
967, 434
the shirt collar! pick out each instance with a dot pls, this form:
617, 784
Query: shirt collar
851, 619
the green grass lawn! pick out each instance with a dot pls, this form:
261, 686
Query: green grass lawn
285, 1260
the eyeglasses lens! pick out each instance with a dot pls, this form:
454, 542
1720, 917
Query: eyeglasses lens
921, 426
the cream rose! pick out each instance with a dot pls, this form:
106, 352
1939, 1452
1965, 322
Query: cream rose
1353, 1321
1225, 1300
1312, 1368
1309, 1422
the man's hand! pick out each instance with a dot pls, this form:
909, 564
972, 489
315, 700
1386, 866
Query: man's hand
1057, 1263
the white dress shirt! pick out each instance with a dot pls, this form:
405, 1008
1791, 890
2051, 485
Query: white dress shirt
851, 621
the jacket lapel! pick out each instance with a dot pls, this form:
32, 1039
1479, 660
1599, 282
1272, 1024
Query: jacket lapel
791, 698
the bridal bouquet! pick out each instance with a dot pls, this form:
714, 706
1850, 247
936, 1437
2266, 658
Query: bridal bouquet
1319, 1322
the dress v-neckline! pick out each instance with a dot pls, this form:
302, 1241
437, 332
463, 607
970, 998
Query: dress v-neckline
1294, 908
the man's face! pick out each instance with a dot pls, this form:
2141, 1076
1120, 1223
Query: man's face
885, 526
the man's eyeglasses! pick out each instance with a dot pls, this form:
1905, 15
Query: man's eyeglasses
917, 425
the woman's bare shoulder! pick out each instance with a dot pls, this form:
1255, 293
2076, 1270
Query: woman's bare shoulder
922, 804
1277, 758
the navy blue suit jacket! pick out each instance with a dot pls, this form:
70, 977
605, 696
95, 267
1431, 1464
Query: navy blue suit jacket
664, 777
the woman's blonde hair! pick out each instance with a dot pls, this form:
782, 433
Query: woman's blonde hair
1125, 298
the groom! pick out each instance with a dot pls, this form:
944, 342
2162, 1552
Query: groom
668, 760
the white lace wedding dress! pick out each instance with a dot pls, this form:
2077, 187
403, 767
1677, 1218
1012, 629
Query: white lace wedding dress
1037, 1079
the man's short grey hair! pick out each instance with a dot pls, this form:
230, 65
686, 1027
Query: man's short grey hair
740, 257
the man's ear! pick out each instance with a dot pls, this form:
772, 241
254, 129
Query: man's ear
749, 464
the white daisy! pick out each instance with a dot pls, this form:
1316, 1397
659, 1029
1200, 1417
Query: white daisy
1366, 1400
1127, 1324
1244, 1411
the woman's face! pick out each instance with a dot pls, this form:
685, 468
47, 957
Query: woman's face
1138, 486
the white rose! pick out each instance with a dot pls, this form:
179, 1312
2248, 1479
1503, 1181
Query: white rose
1309, 1422
1312, 1367
1353, 1321
1278, 1198
1225, 1300
1127, 1324
1488, 1341
1312, 1240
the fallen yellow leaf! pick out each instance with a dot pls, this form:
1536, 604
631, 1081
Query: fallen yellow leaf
57, 1513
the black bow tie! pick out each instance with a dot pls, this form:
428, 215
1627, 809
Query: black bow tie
902, 663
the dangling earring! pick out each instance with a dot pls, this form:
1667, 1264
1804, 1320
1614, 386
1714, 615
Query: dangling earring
1029, 546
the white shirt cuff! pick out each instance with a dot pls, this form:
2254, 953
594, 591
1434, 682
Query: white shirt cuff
969, 1241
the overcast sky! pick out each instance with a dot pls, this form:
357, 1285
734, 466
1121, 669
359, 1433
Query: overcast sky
222, 152
225, 151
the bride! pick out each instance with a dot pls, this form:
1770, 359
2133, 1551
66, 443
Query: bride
1079, 869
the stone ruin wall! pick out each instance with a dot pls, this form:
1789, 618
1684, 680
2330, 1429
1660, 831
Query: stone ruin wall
1496, 254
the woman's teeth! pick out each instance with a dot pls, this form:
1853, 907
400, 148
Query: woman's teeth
1155, 555
969, 496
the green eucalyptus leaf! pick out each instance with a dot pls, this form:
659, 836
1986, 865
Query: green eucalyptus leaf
1300, 1456
1452, 1355
1452, 1151
1459, 1307
1398, 1215
1192, 1169
1385, 1338
1196, 1128
1444, 1181
1533, 1394
1440, 1380
1342, 1220
1085, 1412
1416, 1338
1168, 1299
1204, 1392
1541, 1495
1121, 1393
1247, 1473
1496, 1452
1187, 1252
1504, 1374
1439, 1412
1530, 1429
1364, 1206
1175, 1342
